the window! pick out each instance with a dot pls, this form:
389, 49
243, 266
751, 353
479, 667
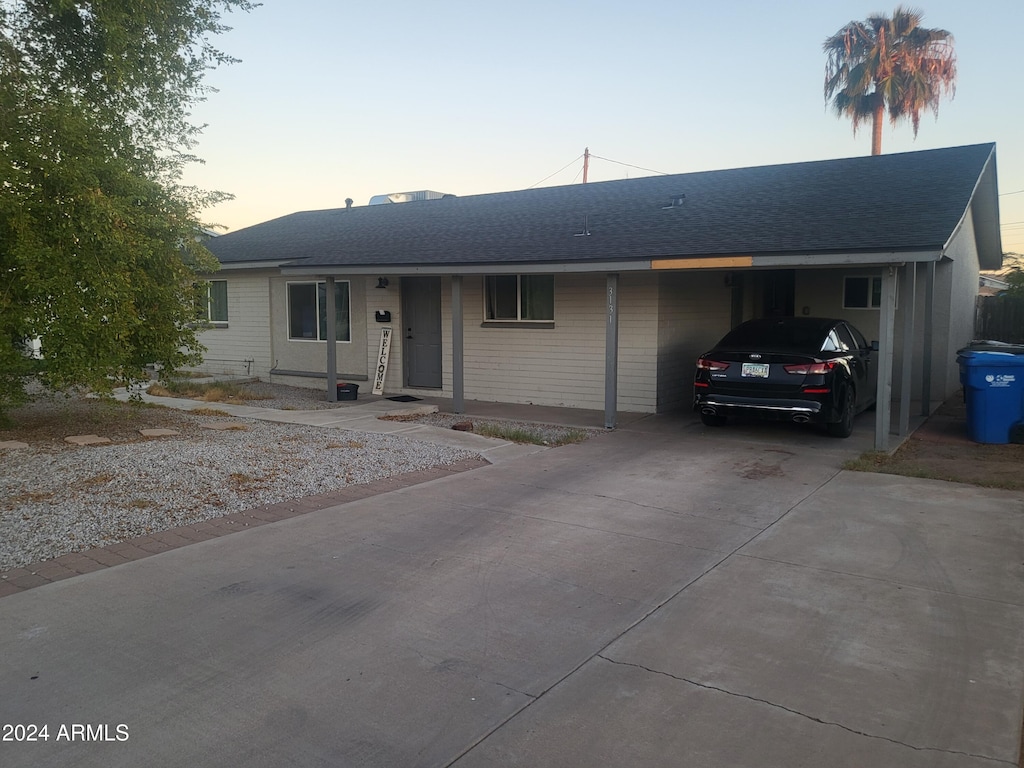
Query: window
210, 301
862, 292
217, 301
847, 341
307, 311
519, 298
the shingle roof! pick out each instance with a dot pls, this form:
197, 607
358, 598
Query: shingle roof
900, 202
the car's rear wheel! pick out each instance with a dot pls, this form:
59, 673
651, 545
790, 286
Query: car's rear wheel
844, 427
712, 419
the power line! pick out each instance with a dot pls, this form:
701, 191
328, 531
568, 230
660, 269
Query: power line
596, 157
628, 165
1018, 192
556, 172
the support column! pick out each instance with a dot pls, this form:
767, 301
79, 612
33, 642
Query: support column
909, 301
929, 321
332, 343
458, 364
886, 332
611, 351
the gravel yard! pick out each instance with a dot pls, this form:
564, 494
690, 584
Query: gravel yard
57, 498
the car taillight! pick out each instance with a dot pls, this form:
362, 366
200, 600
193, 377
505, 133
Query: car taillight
809, 369
711, 365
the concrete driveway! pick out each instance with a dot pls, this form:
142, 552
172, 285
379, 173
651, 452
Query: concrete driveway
664, 595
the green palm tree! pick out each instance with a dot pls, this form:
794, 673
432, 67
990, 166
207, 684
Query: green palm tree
888, 64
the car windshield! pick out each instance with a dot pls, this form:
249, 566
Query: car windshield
793, 335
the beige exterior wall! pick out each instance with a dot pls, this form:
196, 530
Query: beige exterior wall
956, 296
695, 311
242, 346
310, 357
563, 365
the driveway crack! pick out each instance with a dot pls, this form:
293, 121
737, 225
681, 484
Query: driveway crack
804, 714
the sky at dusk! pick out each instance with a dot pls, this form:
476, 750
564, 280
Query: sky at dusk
353, 99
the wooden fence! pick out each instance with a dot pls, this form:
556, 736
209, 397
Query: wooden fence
1001, 318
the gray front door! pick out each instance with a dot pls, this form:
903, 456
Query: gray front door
421, 331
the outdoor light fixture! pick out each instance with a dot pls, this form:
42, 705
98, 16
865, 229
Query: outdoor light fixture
382, 282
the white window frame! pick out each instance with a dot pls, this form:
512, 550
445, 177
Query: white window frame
873, 280
518, 319
209, 303
316, 293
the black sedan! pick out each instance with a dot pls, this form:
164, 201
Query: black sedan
802, 369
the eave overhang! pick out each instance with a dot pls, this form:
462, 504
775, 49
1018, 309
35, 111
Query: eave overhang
736, 262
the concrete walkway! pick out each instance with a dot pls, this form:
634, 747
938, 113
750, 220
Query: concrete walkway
365, 416
663, 595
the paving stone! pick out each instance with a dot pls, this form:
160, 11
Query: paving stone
6, 588
86, 440
158, 432
79, 563
105, 556
222, 426
28, 582
53, 571
12, 444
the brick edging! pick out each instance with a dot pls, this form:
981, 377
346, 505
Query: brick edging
77, 563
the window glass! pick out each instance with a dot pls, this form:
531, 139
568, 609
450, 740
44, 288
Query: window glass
858, 337
538, 297
307, 311
519, 297
862, 292
855, 293
218, 301
876, 292
846, 341
302, 311
831, 343
501, 297
786, 335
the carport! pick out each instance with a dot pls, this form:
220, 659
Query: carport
903, 272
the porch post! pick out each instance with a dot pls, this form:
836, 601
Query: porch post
611, 351
332, 345
906, 367
458, 367
886, 332
926, 360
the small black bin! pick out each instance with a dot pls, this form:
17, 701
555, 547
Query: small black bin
348, 391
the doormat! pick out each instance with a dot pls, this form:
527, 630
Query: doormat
405, 399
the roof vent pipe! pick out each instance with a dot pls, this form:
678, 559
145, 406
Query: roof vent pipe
348, 203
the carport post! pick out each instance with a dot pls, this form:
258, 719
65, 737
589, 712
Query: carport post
332, 345
611, 351
926, 359
886, 332
906, 365
458, 367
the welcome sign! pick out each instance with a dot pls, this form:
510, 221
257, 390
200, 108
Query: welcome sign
382, 361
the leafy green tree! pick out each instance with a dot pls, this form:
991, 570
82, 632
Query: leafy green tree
99, 253
1014, 275
888, 64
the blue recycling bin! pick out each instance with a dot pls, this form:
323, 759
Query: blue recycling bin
994, 394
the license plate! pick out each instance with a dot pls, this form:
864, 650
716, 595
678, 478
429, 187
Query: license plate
757, 370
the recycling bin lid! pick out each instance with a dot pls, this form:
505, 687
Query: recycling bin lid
988, 345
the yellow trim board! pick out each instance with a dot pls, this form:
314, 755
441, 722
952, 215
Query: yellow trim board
717, 262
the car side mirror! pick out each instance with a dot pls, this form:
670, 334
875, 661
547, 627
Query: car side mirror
874, 346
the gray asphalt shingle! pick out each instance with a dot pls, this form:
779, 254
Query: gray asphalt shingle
901, 202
